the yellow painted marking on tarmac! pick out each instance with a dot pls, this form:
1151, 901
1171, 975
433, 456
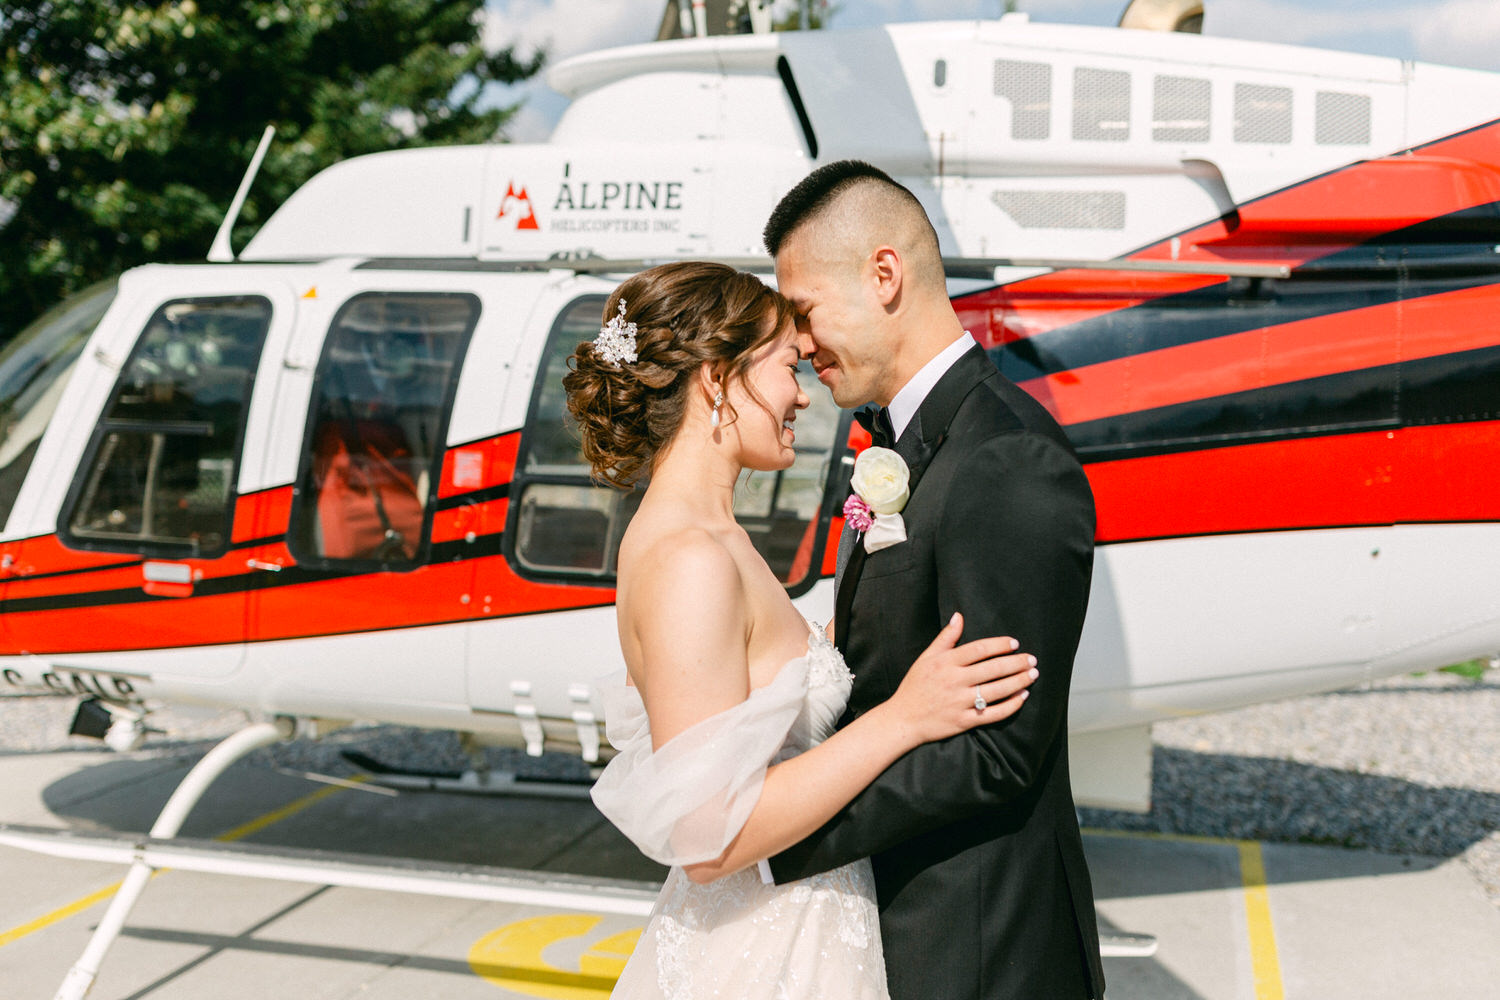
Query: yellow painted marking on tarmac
61, 913
511, 957
277, 815
244, 830
1265, 965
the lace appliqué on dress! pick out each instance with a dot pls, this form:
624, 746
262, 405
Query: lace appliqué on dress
825, 663
738, 938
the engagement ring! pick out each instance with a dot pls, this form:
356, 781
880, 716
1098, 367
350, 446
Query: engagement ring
979, 702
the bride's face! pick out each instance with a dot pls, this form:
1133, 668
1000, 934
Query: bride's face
766, 414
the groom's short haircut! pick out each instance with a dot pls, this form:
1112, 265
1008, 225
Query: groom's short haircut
875, 203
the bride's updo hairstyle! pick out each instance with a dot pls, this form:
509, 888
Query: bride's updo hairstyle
685, 314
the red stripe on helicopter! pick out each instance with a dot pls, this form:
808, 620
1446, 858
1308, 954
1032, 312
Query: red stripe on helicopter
46, 567
468, 520
434, 594
1272, 355
440, 593
479, 465
1308, 220
1321, 482
262, 513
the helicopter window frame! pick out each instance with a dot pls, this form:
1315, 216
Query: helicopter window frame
304, 496
86, 477
36, 366
610, 501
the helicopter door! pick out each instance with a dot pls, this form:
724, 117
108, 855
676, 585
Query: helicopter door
361, 426
563, 534
143, 563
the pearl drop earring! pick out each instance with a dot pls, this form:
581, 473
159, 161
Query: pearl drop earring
713, 418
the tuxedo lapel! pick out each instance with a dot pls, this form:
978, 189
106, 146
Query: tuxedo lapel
919, 441
928, 428
843, 598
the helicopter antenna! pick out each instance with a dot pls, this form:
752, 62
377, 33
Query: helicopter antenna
221, 252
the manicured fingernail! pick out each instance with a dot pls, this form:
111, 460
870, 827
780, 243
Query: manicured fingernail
1014, 644
1031, 660
954, 619
1025, 694
1034, 673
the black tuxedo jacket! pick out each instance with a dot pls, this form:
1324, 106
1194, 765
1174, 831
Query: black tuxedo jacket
979, 867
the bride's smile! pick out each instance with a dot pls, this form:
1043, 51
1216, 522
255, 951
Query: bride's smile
767, 404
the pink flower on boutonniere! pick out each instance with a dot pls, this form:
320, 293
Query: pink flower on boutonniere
857, 513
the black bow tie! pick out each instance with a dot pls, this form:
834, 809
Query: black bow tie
878, 424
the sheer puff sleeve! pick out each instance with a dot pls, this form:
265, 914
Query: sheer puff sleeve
685, 803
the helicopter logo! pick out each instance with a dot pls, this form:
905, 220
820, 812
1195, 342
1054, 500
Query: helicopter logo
515, 203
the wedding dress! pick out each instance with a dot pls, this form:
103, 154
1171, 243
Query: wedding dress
737, 937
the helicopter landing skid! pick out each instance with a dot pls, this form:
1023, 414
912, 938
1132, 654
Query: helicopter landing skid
472, 781
80, 978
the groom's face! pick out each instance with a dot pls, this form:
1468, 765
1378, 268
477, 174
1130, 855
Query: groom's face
835, 330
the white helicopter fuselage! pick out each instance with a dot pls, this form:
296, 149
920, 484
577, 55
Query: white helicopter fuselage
1216, 262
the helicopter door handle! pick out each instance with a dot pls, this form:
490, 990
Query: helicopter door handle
269, 567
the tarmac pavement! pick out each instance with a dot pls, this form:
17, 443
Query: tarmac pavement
1235, 920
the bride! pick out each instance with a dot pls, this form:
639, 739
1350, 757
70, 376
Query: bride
725, 725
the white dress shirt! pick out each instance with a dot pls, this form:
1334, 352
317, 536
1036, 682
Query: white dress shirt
910, 398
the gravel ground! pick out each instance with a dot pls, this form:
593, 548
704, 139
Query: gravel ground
1409, 765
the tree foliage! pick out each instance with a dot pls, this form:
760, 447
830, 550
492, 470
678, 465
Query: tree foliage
126, 125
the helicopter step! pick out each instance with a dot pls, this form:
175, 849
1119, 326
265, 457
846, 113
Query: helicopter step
472, 781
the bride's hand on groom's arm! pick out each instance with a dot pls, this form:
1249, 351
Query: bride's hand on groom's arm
939, 695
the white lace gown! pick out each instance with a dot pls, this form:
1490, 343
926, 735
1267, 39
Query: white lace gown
737, 938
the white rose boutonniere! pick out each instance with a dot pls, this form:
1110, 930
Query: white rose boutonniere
881, 483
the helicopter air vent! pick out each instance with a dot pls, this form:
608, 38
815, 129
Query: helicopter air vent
1262, 114
1180, 109
1101, 104
1028, 88
1063, 209
1342, 119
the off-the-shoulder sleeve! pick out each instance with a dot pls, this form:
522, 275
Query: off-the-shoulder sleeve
686, 802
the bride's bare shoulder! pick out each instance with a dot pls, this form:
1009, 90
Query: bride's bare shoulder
677, 561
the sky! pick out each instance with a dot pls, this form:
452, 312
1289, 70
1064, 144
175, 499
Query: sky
1453, 32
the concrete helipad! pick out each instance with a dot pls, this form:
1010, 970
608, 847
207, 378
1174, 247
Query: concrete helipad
1234, 920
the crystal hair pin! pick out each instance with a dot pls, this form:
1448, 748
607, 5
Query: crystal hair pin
615, 344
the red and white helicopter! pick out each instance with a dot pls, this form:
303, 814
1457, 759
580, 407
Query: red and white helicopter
331, 479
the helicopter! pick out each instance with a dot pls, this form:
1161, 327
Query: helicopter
330, 478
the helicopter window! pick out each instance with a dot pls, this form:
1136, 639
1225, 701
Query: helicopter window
1262, 114
376, 426
1028, 88
1101, 104
565, 525
34, 371
159, 475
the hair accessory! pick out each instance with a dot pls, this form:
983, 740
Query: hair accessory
615, 344
713, 418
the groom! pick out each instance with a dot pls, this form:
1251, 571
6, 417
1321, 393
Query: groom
979, 868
